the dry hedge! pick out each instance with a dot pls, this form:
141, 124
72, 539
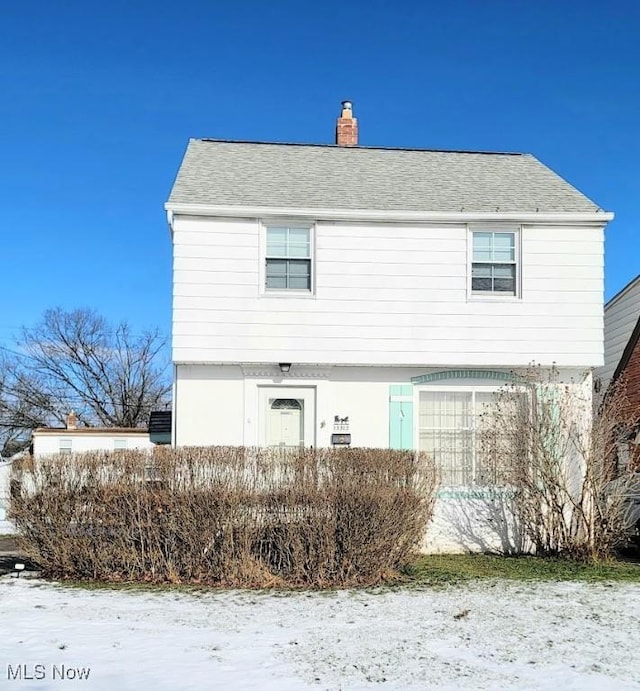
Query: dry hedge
224, 515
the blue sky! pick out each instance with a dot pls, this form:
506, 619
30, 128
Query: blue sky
98, 100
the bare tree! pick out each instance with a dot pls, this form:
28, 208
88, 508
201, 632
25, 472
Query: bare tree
18, 415
560, 463
77, 361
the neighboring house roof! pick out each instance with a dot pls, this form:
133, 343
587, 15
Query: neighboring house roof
628, 351
91, 430
273, 175
621, 315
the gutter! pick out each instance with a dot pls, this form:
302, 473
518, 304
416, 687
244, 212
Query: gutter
596, 218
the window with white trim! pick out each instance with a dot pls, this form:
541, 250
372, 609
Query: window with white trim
119, 444
64, 445
494, 263
455, 429
288, 258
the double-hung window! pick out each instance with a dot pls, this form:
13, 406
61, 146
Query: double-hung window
288, 258
494, 263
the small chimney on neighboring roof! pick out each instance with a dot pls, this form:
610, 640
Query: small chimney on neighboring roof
347, 126
72, 420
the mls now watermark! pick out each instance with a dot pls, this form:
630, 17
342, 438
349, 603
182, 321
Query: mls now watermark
22, 672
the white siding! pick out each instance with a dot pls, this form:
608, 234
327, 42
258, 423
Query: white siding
5, 473
385, 294
49, 442
208, 406
620, 317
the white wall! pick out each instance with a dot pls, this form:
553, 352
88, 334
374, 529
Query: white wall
5, 472
47, 442
386, 294
620, 317
208, 404
221, 405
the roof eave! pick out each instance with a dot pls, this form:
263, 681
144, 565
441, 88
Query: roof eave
102, 431
598, 217
623, 291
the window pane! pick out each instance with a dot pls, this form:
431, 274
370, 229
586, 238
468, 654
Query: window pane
504, 278
276, 274
481, 270
276, 267
452, 453
299, 283
481, 285
277, 242
299, 267
504, 247
505, 255
504, 285
482, 247
489, 246
504, 270
489, 278
294, 274
276, 282
298, 242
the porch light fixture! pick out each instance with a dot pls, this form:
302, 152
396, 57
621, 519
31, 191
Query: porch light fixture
284, 367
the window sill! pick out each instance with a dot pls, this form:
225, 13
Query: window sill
478, 297
305, 294
475, 492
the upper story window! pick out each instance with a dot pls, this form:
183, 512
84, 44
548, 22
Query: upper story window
494, 263
288, 258
119, 444
65, 445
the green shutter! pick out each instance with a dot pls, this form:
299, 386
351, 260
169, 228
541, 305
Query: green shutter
401, 416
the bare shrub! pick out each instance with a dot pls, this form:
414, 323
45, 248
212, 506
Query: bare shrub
225, 515
559, 461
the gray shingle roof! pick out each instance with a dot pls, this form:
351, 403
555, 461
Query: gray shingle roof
334, 177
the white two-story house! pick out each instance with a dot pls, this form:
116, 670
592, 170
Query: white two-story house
329, 294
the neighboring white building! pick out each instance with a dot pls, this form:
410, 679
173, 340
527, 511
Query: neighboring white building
380, 295
5, 488
70, 439
73, 439
621, 315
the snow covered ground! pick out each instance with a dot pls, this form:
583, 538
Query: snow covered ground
489, 635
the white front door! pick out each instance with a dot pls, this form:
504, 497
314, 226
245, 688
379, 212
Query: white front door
285, 422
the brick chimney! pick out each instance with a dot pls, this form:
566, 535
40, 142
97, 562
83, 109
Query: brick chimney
347, 126
72, 420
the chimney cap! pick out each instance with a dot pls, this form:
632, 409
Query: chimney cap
347, 105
